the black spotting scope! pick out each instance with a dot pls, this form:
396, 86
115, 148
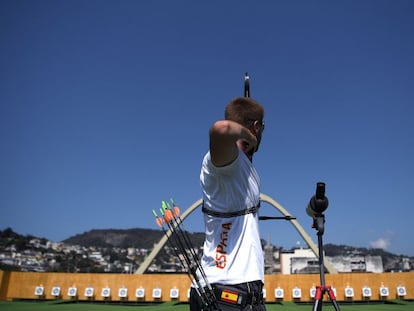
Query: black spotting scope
319, 202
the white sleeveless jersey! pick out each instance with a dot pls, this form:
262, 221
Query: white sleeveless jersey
232, 248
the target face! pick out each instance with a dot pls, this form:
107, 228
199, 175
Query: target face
174, 293
56, 291
122, 292
72, 291
312, 292
140, 293
279, 293
366, 292
401, 291
156, 293
384, 291
105, 292
349, 292
89, 291
296, 293
39, 290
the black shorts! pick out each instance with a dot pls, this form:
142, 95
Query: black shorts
240, 297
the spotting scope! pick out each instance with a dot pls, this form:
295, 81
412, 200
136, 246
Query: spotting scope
319, 202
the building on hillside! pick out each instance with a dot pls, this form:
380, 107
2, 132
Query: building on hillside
357, 263
299, 260
271, 258
304, 261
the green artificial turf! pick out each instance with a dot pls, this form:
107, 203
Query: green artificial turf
285, 306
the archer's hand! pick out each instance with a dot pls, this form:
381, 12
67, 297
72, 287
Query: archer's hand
248, 146
227, 138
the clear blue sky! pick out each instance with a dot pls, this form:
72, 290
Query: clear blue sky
105, 108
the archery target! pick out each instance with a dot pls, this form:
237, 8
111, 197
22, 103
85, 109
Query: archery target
72, 291
140, 293
349, 292
296, 292
55, 291
122, 292
279, 293
312, 292
384, 291
156, 293
174, 293
39, 290
401, 291
106, 292
366, 292
89, 292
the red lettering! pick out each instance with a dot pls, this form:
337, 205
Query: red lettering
220, 249
220, 261
221, 252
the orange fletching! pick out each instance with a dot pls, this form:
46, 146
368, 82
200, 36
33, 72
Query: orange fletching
176, 211
159, 221
168, 216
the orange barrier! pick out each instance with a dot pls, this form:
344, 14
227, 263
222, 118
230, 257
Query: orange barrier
166, 287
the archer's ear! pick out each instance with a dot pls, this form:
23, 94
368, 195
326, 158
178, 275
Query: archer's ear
256, 126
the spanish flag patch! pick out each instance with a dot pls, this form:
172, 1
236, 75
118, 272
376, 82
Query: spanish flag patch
229, 296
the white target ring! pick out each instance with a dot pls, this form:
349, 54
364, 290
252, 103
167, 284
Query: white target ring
122, 292
89, 292
312, 292
366, 292
72, 291
106, 292
279, 293
349, 292
296, 293
156, 293
39, 290
55, 291
174, 293
401, 291
384, 291
140, 293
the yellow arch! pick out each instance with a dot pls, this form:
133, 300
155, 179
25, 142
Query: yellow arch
264, 198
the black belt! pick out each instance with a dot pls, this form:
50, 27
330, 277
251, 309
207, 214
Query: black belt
236, 295
243, 212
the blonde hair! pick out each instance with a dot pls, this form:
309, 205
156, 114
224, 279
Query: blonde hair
244, 110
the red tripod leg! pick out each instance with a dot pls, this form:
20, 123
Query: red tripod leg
332, 297
317, 306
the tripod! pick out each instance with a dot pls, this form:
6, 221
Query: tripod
319, 225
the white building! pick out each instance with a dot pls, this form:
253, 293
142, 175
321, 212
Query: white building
286, 259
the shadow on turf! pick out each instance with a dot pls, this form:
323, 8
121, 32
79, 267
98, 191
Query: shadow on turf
172, 303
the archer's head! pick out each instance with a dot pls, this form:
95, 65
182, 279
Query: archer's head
249, 113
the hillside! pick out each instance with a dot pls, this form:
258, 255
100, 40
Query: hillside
113, 243
146, 238
136, 237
